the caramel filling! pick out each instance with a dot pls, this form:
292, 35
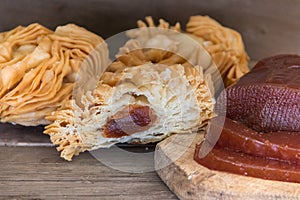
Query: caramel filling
132, 119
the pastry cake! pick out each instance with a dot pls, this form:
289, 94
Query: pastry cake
38, 69
224, 44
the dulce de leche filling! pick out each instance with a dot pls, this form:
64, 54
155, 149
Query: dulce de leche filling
132, 119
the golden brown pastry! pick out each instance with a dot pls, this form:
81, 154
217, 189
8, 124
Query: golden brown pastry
166, 44
38, 68
224, 44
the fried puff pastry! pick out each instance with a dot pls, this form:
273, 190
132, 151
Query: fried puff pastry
166, 44
223, 44
38, 68
140, 104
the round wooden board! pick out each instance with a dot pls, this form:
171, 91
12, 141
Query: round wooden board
189, 180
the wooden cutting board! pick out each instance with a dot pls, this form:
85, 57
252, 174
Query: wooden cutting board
189, 180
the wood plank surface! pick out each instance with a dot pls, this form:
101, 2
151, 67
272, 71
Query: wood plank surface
32, 169
189, 180
39, 173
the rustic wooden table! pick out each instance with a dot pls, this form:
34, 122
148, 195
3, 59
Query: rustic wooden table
31, 169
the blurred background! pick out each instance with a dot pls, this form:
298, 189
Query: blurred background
268, 27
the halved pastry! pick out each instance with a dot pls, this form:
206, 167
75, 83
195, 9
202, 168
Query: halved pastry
140, 104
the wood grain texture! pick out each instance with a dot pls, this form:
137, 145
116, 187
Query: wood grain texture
189, 180
32, 169
39, 173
